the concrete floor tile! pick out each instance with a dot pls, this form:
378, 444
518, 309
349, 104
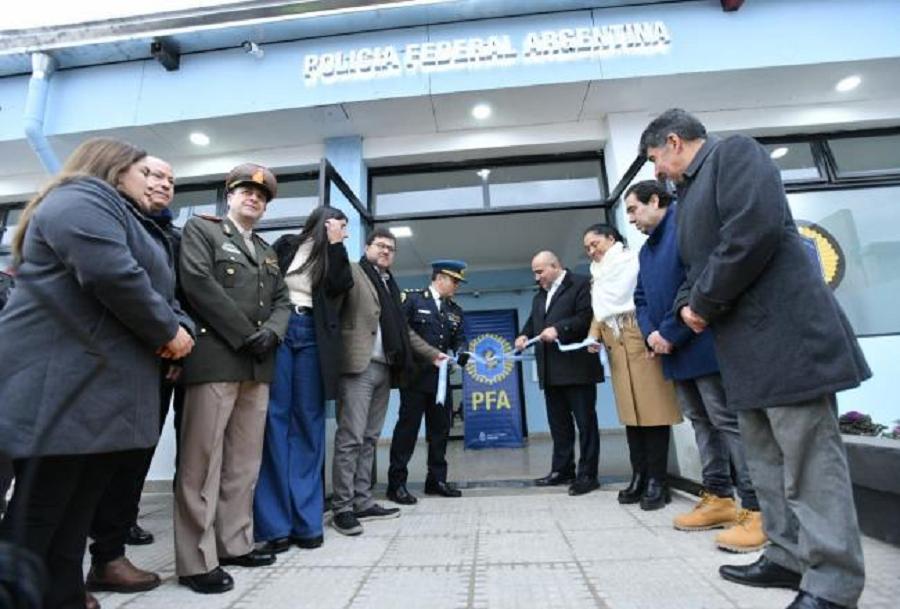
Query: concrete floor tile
304, 588
429, 550
546, 586
618, 544
418, 587
529, 547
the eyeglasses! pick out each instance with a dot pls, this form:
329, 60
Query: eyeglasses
386, 247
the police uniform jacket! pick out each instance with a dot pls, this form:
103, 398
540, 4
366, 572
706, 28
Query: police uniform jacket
442, 329
94, 300
780, 334
231, 295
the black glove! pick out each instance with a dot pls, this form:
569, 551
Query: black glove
462, 358
260, 342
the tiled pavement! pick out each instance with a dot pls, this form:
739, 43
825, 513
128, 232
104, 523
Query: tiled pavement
496, 548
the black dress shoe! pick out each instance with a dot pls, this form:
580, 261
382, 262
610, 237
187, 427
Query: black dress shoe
583, 486
632, 493
256, 558
401, 495
656, 495
555, 479
214, 582
442, 488
805, 600
762, 574
308, 543
276, 546
138, 536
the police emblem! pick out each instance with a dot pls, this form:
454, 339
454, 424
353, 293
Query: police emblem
826, 249
489, 366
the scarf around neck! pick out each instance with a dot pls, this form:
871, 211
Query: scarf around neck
394, 335
613, 280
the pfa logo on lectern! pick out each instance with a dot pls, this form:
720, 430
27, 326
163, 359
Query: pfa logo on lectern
489, 366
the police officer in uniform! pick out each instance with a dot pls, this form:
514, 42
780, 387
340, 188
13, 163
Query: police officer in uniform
434, 316
238, 298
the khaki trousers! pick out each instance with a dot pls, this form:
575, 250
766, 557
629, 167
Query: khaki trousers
221, 448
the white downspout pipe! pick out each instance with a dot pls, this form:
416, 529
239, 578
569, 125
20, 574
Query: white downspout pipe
42, 68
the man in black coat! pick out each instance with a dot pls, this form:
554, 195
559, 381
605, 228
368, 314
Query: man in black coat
784, 347
432, 314
562, 311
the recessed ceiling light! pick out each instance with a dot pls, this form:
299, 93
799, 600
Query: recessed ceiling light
481, 111
401, 231
199, 139
779, 152
848, 84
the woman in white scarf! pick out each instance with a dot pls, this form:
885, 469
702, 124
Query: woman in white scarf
644, 399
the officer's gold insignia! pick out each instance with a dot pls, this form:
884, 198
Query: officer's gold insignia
259, 177
830, 255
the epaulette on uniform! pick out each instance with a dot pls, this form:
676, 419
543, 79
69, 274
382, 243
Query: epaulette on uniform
209, 217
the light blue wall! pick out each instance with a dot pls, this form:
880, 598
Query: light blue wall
223, 83
877, 396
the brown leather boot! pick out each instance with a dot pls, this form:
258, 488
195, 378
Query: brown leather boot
711, 512
120, 575
90, 601
747, 535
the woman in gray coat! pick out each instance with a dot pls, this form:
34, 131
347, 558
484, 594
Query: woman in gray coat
80, 341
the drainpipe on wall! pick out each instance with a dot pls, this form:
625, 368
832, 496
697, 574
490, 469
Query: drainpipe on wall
42, 68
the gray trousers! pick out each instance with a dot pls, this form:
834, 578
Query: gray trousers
361, 406
799, 465
702, 401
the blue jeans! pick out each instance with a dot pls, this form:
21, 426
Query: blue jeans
289, 494
702, 401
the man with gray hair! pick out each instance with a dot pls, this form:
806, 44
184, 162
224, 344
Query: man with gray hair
784, 347
561, 310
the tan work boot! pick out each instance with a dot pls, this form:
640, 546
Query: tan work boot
747, 535
120, 575
711, 512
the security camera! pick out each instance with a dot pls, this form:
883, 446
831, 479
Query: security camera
253, 49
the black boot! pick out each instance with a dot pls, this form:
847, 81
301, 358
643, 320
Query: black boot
635, 489
656, 495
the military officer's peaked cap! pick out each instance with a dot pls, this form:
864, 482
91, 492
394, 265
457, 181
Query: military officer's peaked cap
251, 173
451, 268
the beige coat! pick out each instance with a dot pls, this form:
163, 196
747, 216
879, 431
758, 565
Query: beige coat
360, 315
643, 397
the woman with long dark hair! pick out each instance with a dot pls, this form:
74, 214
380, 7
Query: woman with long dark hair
80, 340
289, 494
645, 401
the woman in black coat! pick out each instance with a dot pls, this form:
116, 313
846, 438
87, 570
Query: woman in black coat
289, 493
80, 339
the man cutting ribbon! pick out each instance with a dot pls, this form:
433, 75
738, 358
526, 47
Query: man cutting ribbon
434, 316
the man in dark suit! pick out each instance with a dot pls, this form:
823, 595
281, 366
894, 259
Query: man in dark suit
784, 348
432, 314
562, 311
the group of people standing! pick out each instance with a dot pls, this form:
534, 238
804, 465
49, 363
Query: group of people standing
720, 318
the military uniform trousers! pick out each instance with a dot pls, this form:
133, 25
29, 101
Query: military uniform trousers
413, 404
221, 446
289, 494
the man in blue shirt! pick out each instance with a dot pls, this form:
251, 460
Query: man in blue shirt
689, 360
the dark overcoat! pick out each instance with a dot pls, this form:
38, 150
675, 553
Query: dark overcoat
661, 275
94, 300
326, 306
230, 293
570, 313
780, 335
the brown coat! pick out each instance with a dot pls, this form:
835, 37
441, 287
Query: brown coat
643, 397
360, 316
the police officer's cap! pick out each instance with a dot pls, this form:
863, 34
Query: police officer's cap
251, 173
451, 268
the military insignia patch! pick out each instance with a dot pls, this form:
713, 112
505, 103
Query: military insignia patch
825, 251
231, 248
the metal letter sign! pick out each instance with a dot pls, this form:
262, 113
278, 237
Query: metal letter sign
491, 388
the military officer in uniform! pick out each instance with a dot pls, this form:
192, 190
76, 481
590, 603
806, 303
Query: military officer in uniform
239, 301
434, 316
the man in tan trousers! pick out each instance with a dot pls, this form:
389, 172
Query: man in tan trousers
241, 306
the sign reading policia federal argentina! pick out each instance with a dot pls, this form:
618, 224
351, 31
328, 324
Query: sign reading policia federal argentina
825, 252
491, 396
